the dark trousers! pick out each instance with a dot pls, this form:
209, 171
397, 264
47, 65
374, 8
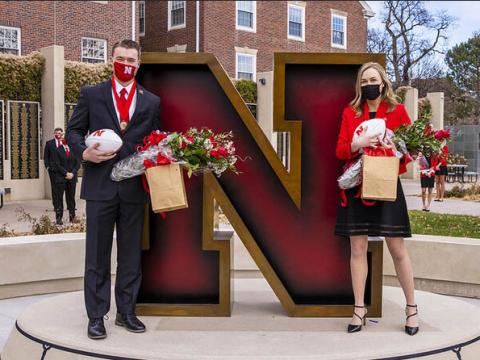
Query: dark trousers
102, 216
58, 189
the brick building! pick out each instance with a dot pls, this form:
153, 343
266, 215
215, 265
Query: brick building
244, 34
86, 29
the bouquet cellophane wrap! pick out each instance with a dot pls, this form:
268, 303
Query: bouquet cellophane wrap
167, 187
380, 177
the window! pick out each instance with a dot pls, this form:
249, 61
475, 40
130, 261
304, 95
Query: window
339, 31
94, 50
247, 15
141, 17
246, 66
10, 40
296, 22
176, 15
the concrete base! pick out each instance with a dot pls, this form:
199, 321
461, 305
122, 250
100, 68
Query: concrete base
258, 329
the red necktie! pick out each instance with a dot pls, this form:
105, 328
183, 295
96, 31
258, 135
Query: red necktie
124, 112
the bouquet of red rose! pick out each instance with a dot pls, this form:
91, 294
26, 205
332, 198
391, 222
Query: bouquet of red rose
409, 140
196, 150
161, 156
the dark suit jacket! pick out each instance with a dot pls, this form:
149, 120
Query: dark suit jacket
61, 164
94, 111
50, 149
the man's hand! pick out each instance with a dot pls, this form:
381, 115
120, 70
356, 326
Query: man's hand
96, 156
69, 176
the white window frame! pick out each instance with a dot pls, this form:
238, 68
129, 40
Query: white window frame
253, 56
181, 26
19, 37
140, 3
299, 38
254, 20
344, 18
91, 38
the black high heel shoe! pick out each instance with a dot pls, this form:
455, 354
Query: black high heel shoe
355, 328
411, 330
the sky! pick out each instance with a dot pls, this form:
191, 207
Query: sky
466, 14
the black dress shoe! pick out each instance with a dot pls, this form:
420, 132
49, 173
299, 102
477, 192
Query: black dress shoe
59, 221
130, 322
96, 329
411, 330
72, 218
356, 328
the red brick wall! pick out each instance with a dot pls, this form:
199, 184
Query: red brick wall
45, 23
219, 36
158, 37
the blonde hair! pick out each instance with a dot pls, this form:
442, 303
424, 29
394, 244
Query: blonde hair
387, 94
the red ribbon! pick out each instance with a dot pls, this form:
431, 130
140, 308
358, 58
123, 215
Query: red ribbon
153, 138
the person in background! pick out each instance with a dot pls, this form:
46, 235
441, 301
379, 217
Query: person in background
427, 179
441, 173
60, 180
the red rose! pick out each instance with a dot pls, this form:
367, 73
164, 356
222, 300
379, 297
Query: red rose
218, 153
212, 140
222, 152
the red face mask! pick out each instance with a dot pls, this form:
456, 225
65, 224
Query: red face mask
124, 72
58, 136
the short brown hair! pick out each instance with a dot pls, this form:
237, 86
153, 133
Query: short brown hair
127, 44
58, 129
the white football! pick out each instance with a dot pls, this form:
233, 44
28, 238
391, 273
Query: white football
373, 126
107, 138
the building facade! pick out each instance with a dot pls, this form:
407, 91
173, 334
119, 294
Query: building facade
244, 35
86, 29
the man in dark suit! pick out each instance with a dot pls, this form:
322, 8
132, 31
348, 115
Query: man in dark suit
62, 171
132, 112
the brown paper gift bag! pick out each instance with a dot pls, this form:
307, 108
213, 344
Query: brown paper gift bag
167, 188
380, 177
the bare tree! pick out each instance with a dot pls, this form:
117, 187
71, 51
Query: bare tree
410, 39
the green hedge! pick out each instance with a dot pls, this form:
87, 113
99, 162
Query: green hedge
79, 74
21, 76
247, 90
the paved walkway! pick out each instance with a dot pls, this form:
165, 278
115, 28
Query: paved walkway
412, 191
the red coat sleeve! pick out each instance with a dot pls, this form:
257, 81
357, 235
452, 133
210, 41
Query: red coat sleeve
343, 150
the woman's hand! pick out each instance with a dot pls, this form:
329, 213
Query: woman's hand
364, 141
389, 144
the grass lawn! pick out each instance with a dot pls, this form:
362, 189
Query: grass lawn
428, 223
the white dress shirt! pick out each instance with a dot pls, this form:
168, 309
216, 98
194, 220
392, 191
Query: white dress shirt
119, 88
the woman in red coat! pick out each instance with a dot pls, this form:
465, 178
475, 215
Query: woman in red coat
441, 173
358, 219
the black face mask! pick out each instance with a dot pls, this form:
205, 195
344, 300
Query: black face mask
370, 92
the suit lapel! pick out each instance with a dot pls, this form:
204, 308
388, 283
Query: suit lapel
107, 93
138, 107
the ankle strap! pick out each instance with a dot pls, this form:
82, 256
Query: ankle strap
414, 306
360, 307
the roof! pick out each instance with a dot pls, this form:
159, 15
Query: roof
367, 10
